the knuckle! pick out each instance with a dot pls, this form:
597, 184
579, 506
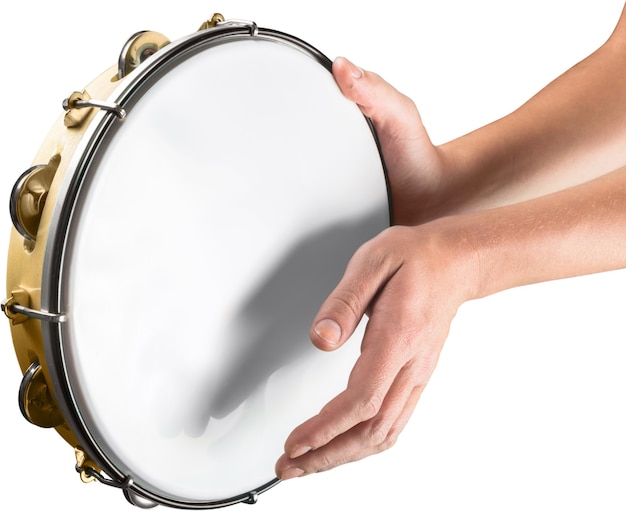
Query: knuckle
376, 255
388, 443
349, 303
397, 234
378, 433
369, 407
383, 436
391, 439
424, 368
325, 462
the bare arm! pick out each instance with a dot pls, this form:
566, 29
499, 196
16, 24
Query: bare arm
571, 131
577, 231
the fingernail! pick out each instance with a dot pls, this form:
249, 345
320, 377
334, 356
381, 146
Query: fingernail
328, 330
355, 71
291, 472
299, 451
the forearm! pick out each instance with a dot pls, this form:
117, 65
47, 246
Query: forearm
577, 231
571, 131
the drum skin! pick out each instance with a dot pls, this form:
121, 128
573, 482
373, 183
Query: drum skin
49, 401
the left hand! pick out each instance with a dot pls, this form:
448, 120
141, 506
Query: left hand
417, 172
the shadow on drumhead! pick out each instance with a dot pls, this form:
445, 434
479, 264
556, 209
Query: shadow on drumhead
271, 329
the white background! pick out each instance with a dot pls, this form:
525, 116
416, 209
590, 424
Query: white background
526, 408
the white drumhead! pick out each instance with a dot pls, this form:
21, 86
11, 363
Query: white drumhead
220, 215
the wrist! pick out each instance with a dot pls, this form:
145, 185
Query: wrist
417, 186
454, 186
453, 255
577, 231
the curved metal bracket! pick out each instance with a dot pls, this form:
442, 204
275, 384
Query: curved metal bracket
137, 500
254, 29
252, 498
11, 309
78, 105
218, 20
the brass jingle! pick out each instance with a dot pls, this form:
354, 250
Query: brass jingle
137, 49
36, 403
29, 195
212, 22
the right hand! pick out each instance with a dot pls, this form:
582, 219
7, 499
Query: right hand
410, 281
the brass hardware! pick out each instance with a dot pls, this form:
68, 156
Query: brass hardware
137, 49
29, 197
20, 296
74, 117
90, 472
36, 403
212, 22
82, 465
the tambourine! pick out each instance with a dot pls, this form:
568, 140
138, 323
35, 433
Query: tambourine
182, 224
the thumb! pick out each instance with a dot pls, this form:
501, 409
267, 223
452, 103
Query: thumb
344, 308
377, 99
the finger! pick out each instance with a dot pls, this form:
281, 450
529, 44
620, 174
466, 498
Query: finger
367, 272
386, 352
351, 407
371, 437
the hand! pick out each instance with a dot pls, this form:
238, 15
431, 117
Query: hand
413, 163
410, 281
